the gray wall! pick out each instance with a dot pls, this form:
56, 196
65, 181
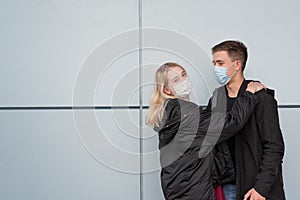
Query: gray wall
100, 57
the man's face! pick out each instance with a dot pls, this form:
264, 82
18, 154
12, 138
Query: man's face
221, 59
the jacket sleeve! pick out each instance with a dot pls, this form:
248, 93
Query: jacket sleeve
273, 144
217, 125
239, 115
221, 124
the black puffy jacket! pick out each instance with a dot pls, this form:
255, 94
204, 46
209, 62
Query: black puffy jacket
187, 136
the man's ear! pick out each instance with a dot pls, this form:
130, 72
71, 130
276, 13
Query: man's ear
167, 91
238, 65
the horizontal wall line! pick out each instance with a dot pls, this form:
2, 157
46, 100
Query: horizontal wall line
71, 107
96, 107
288, 106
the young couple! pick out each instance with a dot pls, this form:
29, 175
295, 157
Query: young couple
233, 148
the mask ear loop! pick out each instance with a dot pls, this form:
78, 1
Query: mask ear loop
235, 71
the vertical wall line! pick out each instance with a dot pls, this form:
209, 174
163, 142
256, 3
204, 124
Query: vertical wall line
140, 9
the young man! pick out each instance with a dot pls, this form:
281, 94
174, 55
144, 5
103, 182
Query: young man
257, 150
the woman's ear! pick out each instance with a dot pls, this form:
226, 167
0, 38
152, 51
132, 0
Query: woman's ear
167, 91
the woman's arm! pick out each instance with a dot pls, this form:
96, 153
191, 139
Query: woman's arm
218, 125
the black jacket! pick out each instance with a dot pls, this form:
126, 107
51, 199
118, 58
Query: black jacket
187, 135
259, 150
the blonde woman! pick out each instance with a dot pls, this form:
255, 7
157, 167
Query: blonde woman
187, 134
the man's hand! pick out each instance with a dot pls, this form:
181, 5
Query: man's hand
253, 195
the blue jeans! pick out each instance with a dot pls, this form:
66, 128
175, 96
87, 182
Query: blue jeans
229, 191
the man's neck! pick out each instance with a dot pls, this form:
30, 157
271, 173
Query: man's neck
233, 86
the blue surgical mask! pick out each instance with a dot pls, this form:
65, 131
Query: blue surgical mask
221, 74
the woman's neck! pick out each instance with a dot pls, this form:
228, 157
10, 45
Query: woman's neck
186, 98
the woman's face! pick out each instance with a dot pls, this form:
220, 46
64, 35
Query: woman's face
175, 76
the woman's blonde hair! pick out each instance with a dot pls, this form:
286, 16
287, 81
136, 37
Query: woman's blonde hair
158, 99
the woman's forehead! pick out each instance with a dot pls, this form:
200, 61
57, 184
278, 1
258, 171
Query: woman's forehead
175, 71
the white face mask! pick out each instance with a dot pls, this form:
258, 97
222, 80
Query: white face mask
184, 88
